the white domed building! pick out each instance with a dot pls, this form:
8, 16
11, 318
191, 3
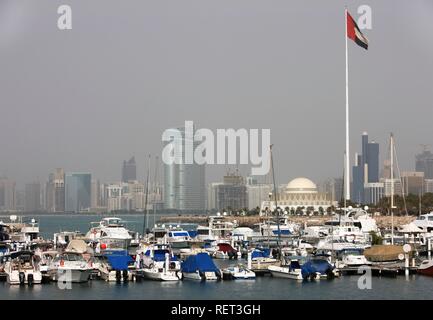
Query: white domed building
299, 193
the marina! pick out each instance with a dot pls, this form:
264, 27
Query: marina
255, 273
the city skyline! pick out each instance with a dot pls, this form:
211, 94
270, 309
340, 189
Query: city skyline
220, 75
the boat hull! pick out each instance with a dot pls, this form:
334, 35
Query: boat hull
286, 273
13, 278
426, 268
161, 276
74, 276
207, 276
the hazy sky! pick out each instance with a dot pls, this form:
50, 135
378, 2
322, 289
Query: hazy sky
87, 98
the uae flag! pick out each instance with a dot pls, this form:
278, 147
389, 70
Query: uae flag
355, 34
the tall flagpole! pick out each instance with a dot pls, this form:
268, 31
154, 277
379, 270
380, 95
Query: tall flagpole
347, 175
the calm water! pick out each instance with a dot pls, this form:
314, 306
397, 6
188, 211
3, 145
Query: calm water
414, 287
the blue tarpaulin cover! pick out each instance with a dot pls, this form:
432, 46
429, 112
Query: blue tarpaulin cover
265, 253
118, 259
316, 265
159, 255
201, 262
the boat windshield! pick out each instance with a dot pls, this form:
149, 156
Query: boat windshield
69, 257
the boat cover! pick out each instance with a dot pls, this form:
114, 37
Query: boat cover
159, 255
316, 265
201, 262
265, 253
118, 259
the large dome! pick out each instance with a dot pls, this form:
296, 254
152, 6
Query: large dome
301, 185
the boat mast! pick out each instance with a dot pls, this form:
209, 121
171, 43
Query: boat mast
155, 189
392, 187
145, 201
275, 197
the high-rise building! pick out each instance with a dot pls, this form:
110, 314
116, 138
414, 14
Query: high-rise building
412, 182
184, 184
424, 163
78, 191
95, 194
358, 180
428, 186
388, 187
55, 191
366, 168
257, 193
129, 170
337, 191
231, 195
7, 194
373, 192
33, 195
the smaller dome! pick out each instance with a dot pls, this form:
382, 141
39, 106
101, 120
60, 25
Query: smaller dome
301, 185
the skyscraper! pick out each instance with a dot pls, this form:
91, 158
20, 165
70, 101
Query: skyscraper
366, 168
129, 170
424, 163
77, 191
55, 191
184, 184
32, 197
7, 194
412, 183
232, 193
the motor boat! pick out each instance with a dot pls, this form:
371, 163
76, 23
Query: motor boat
70, 267
337, 244
61, 239
200, 267
291, 269
109, 233
353, 258
20, 231
114, 265
225, 251
425, 222
319, 267
426, 268
158, 264
283, 228
261, 259
21, 268
238, 272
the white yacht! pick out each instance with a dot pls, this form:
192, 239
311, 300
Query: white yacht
289, 270
110, 233
425, 222
285, 227
70, 267
334, 244
158, 264
238, 272
21, 269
